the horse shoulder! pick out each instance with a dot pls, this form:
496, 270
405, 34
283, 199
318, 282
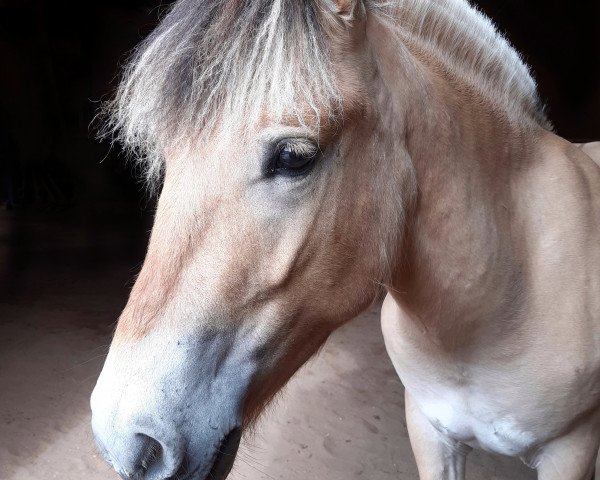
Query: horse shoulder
560, 208
560, 197
592, 150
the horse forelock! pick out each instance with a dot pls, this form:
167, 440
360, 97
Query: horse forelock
225, 64
221, 63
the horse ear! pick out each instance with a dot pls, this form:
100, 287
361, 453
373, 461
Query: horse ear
347, 9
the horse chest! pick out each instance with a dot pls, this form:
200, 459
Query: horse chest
471, 417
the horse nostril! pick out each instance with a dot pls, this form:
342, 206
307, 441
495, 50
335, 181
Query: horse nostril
149, 455
144, 457
144, 453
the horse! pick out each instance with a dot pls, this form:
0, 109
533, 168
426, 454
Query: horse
312, 155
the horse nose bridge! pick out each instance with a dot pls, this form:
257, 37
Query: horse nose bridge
151, 294
174, 278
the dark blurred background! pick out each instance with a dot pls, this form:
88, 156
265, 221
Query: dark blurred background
59, 59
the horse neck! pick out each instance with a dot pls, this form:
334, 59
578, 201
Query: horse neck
458, 262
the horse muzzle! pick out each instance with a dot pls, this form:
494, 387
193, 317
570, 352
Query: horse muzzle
137, 456
171, 409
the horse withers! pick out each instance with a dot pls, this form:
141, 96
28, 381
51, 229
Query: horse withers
311, 153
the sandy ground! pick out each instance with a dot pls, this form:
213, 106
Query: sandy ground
341, 417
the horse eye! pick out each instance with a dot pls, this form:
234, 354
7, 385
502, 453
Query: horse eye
291, 162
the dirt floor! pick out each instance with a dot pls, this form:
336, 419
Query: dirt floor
62, 288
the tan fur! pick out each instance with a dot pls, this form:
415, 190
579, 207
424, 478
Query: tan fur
499, 288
